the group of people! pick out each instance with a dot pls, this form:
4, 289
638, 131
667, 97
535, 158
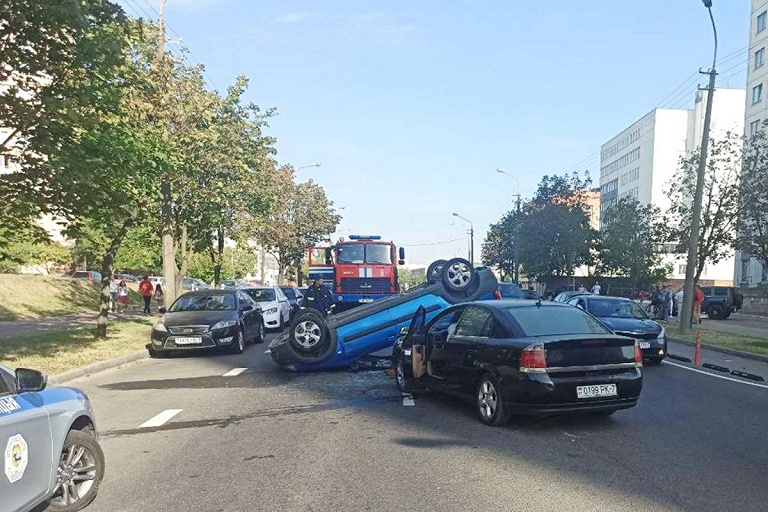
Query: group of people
667, 303
118, 294
596, 288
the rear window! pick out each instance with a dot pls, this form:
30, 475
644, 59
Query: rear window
546, 321
510, 291
721, 292
289, 292
262, 294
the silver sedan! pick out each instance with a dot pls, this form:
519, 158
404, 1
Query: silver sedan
48, 443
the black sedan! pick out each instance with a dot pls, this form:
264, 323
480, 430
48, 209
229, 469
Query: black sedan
520, 357
626, 318
208, 319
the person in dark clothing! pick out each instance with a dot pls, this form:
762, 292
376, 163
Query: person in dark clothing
318, 297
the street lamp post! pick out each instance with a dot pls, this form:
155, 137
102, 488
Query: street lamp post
471, 238
517, 227
693, 243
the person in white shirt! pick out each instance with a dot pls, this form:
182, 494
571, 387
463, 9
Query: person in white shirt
596, 289
582, 289
113, 293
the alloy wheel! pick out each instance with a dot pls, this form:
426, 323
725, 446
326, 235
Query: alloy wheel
459, 274
307, 334
75, 475
487, 399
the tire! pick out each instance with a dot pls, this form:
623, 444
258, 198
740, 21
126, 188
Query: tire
91, 457
716, 312
239, 346
489, 402
458, 275
260, 336
308, 334
404, 384
434, 271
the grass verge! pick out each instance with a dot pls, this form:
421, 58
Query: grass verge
56, 352
749, 344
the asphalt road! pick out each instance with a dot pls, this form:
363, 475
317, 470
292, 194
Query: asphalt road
267, 439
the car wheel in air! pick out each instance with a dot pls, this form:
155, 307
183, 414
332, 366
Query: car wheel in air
434, 271
404, 383
80, 471
308, 333
458, 275
489, 402
716, 312
239, 346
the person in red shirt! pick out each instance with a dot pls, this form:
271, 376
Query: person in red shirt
698, 299
146, 289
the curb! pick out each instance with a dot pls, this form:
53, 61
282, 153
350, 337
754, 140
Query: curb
61, 378
729, 351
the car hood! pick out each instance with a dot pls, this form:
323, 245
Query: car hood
268, 304
633, 325
197, 317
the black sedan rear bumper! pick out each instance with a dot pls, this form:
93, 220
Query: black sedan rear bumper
570, 407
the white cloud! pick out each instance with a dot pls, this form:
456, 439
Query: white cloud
293, 17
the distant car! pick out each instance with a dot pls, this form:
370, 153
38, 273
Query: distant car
274, 304
128, 278
520, 357
567, 295
208, 319
228, 283
155, 280
295, 298
49, 442
511, 291
720, 301
531, 295
626, 318
193, 284
90, 275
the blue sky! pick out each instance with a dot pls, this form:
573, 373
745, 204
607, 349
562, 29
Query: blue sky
411, 106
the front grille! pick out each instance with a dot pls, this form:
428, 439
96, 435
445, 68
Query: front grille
647, 336
181, 330
365, 285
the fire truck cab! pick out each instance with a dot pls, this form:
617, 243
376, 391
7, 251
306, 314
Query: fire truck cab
359, 270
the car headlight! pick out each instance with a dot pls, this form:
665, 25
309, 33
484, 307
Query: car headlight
270, 311
159, 326
224, 324
662, 335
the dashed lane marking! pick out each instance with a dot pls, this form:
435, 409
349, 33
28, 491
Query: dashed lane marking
234, 372
160, 419
764, 386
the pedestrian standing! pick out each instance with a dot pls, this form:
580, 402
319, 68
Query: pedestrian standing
318, 297
664, 303
122, 296
159, 296
698, 300
582, 288
596, 288
113, 286
146, 289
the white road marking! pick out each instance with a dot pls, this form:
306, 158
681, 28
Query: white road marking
764, 386
408, 400
160, 419
234, 372
267, 351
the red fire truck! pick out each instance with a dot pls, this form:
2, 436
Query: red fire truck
359, 270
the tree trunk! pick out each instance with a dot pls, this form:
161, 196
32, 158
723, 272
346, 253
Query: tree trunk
169, 249
219, 256
106, 274
182, 273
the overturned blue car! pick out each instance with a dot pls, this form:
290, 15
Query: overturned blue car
314, 342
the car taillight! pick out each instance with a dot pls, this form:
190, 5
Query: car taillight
497, 295
533, 359
638, 354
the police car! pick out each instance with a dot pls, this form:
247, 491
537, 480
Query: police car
48, 445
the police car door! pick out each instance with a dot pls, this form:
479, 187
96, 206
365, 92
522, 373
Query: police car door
25, 446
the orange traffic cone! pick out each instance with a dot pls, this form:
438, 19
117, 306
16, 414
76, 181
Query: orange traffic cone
697, 352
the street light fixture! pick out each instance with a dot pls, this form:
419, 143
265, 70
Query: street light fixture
517, 241
693, 242
313, 164
471, 238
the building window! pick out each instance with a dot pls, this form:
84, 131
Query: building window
759, 55
681, 269
754, 127
761, 21
757, 94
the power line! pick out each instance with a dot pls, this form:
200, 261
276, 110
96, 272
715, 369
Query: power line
437, 243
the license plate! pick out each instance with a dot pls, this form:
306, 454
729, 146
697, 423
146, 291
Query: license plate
645, 344
365, 300
596, 390
188, 341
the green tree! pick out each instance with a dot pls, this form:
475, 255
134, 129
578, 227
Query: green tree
720, 204
499, 246
628, 246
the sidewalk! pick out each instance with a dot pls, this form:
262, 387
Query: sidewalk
744, 325
16, 328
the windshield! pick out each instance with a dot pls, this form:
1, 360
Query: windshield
350, 253
378, 253
207, 302
262, 294
615, 309
289, 292
510, 291
545, 321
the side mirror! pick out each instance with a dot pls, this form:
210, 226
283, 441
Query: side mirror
328, 256
30, 380
401, 256
162, 310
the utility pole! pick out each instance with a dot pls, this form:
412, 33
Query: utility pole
516, 272
471, 238
693, 243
